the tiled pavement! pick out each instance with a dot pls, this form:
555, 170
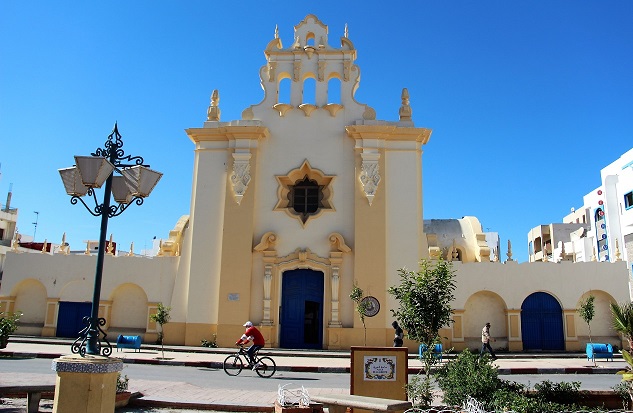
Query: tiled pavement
187, 396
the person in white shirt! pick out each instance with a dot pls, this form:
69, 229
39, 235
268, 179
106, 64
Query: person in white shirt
485, 342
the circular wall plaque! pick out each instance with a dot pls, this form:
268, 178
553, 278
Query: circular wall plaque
373, 306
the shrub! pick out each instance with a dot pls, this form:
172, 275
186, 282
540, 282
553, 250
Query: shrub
211, 344
467, 375
9, 322
8, 325
562, 393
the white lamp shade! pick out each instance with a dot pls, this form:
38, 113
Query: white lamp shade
121, 190
94, 170
141, 180
72, 181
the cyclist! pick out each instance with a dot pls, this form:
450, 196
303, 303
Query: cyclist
252, 334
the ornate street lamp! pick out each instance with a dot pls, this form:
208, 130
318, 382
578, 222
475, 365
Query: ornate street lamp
134, 182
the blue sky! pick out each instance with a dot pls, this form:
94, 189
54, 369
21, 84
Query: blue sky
527, 100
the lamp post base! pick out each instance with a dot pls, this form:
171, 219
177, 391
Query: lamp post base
85, 384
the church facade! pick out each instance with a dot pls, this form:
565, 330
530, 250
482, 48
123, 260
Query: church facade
304, 197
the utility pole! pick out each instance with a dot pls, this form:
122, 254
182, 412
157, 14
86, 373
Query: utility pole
37, 217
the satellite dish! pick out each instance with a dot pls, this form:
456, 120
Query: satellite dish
573, 209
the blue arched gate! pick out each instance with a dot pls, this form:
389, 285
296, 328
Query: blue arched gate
301, 309
542, 323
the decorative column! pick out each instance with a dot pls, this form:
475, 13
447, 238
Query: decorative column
268, 278
334, 321
336, 259
267, 248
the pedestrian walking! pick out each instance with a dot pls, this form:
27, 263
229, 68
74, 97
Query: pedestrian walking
485, 342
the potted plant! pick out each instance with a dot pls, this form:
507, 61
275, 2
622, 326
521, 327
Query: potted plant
122, 394
8, 325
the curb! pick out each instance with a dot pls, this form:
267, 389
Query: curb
315, 369
200, 406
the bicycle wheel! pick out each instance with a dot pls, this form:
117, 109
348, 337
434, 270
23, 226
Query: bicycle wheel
267, 367
233, 365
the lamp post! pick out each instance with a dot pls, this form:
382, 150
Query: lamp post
134, 182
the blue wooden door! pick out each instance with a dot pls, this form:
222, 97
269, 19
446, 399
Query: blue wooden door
542, 323
70, 318
301, 309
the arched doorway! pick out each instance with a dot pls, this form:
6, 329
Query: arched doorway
301, 309
542, 323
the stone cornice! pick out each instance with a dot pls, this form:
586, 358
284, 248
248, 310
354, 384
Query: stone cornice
388, 132
226, 133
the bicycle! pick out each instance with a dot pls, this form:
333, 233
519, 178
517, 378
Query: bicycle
234, 364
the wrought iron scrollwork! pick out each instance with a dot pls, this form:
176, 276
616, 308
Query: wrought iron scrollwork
113, 144
79, 345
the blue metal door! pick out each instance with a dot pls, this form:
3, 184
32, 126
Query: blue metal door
70, 318
301, 309
542, 323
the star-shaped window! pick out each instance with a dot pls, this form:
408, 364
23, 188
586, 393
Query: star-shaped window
304, 193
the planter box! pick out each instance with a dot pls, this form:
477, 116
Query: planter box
122, 399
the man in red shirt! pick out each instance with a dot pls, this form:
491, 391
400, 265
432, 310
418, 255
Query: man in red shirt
252, 334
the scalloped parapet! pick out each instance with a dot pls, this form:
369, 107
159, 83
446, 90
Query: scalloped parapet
310, 56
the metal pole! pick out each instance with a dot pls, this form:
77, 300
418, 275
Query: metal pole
93, 346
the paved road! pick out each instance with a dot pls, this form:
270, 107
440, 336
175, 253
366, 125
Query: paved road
192, 377
198, 376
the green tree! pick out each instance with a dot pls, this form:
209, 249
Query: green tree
424, 299
587, 311
161, 318
357, 296
622, 319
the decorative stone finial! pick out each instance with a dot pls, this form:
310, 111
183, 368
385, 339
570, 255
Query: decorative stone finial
87, 252
15, 243
593, 254
509, 253
346, 33
617, 251
276, 31
44, 247
296, 44
64, 248
405, 109
213, 113
131, 253
110, 246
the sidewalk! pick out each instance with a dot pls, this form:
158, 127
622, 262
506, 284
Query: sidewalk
184, 395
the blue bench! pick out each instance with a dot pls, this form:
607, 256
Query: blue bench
437, 351
128, 342
599, 351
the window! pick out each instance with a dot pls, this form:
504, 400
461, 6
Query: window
304, 193
628, 200
305, 197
